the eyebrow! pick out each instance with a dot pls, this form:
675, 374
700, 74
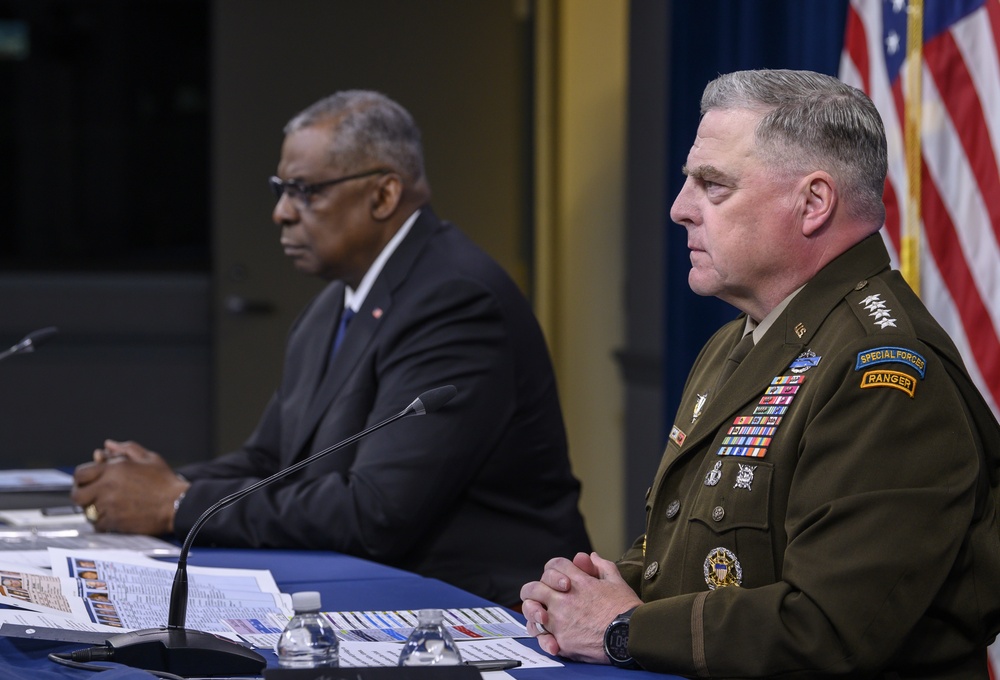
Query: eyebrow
708, 173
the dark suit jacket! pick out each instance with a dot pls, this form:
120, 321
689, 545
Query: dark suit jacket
829, 512
479, 494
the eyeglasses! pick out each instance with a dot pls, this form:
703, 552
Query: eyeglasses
302, 192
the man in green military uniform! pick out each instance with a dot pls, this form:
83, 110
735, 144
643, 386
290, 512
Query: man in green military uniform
827, 503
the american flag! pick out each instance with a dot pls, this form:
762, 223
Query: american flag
956, 114
956, 117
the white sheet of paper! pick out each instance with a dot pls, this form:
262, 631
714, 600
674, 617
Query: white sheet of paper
26, 618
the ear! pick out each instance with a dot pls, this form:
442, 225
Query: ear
387, 195
820, 201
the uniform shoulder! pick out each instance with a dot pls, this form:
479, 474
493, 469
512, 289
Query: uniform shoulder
891, 313
879, 308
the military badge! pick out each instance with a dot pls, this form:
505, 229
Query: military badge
892, 355
875, 306
699, 404
804, 362
744, 478
722, 569
677, 436
714, 475
895, 379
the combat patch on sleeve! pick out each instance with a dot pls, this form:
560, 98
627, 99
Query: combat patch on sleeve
895, 379
891, 355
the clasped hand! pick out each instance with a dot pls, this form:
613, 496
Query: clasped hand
573, 603
132, 490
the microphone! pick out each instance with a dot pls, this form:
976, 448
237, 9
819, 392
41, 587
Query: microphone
30, 342
178, 650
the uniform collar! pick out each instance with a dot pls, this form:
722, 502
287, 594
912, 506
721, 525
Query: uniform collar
823, 292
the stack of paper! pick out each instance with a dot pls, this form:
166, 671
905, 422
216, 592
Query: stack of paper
123, 590
112, 591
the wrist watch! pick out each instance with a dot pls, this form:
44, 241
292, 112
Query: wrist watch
616, 641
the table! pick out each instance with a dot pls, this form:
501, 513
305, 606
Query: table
344, 582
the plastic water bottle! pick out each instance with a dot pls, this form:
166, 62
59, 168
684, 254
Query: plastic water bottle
309, 640
430, 643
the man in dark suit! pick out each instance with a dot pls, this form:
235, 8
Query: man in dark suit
827, 502
479, 493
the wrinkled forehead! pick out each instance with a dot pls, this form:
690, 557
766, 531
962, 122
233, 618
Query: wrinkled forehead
724, 135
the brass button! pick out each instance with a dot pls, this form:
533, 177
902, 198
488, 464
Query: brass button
673, 509
651, 570
718, 513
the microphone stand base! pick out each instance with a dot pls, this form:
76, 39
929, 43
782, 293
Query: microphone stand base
184, 652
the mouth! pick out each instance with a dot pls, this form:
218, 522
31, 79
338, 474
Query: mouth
696, 255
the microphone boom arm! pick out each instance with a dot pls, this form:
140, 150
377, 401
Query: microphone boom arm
29, 342
179, 650
177, 614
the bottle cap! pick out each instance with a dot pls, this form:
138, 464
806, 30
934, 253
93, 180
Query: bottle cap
430, 615
306, 601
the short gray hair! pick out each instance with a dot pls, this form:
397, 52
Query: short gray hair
813, 122
369, 128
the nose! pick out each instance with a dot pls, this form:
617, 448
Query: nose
284, 212
684, 210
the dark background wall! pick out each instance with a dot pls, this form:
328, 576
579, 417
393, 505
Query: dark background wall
134, 142
104, 225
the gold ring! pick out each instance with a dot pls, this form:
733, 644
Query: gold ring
90, 512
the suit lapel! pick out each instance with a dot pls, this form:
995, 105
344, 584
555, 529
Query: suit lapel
363, 330
306, 362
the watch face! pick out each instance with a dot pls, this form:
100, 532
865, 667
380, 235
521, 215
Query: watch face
617, 641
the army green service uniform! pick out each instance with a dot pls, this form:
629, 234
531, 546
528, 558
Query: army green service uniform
831, 510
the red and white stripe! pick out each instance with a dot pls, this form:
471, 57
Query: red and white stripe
960, 185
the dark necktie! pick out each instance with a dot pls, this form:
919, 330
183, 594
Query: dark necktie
738, 354
345, 318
